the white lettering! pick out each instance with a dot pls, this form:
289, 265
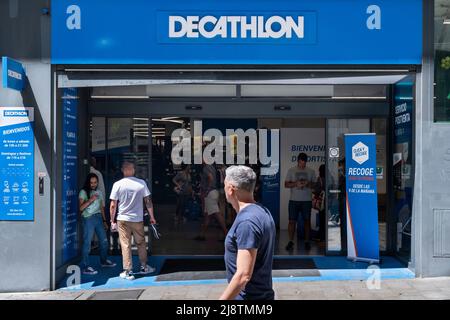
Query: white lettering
201, 26
400, 108
192, 26
274, 27
245, 27
360, 171
15, 75
173, 20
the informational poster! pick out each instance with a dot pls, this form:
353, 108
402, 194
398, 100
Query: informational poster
17, 163
292, 142
70, 174
118, 133
98, 134
361, 202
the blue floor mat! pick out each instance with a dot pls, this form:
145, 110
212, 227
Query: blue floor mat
330, 268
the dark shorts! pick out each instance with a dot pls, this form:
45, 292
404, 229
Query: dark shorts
299, 207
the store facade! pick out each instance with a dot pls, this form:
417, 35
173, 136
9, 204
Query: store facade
116, 80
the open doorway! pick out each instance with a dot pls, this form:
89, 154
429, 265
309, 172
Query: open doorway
180, 216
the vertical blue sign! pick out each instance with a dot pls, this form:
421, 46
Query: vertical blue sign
13, 74
361, 201
70, 174
270, 195
402, 162
17, 163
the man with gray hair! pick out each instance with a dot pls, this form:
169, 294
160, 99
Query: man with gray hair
129, 194
250, 242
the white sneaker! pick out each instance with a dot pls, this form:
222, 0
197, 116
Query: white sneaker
127, 275
147, 269
90, 271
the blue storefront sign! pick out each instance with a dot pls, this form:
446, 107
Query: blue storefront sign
403, 161
13, 74
237, 32
70, 174
361, 197
17, 163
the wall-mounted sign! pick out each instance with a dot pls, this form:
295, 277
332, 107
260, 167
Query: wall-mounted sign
13, 74
237, 32
17, 163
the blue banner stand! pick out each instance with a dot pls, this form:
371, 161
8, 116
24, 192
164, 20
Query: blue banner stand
361, 198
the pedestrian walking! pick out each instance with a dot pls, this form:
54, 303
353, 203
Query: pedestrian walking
92, 209
128, 196
250, 243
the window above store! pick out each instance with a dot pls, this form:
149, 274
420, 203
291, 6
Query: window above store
442, 61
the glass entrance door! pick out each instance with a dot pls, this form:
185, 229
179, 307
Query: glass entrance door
114, 140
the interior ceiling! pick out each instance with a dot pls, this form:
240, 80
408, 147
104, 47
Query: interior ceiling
74, 80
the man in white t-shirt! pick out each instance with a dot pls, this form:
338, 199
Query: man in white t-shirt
129, 195
300, 179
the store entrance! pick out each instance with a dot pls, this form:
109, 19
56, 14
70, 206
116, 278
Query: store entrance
149, 143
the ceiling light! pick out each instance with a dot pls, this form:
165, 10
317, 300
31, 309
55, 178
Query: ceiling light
120, 97
359, 98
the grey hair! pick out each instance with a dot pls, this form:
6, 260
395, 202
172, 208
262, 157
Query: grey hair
242, 177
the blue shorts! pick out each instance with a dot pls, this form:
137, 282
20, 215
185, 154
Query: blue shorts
299, 207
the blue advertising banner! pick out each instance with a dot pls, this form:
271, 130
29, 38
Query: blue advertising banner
236, 32
270, 195
13, 74
70, 174
17, 163
270, 185
361, 197
402, 162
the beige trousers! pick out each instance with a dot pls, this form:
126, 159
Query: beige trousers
126, 230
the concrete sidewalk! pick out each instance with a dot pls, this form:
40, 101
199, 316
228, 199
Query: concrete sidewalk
403, 289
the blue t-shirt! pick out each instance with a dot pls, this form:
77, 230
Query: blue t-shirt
253, 228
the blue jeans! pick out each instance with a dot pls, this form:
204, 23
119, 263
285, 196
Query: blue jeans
93, 224
302, 210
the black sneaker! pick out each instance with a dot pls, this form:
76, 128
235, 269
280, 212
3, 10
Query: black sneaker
290, 246
307, 246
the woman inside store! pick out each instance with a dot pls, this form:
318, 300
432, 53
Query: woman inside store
92, 209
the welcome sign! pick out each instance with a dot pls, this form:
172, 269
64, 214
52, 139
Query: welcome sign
17, 164
361, 197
